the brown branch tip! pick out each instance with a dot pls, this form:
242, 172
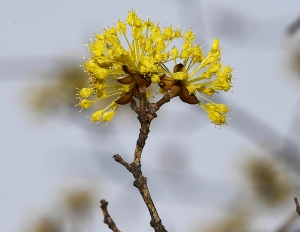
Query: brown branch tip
107, 219
297, 205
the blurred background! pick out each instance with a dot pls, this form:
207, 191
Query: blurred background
55, 166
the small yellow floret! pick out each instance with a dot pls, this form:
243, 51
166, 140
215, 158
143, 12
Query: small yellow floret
155, 78
207, 91
215, 45
214, 68
99, 87
155, 33
107, 116
96, 116
101, 73
121, 27
180, 76
148, 94
131, 18
85, 103
222, 108
216, 118
191, 88
189, 36
174, 52
148, 44
168, 32
86, 92
216, 112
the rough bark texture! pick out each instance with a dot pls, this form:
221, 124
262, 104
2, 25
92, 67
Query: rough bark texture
107, 219
146, 113
140, 183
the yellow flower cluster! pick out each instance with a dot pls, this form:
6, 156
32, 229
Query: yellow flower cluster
137, 47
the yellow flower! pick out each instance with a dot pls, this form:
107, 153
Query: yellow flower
96, 116
180, 76
174, 52
85, 103
85, 92
107, 116
102, 116
155, 78
138, 52
216, 112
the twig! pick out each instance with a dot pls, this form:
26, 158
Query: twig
142, 97
107, 219
290, 220
140, 183
146, 113
143, 135
166, 98
297, 205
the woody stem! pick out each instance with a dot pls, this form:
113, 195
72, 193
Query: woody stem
146, 113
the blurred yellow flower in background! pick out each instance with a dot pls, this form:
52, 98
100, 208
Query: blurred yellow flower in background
270, 184
233, 223
46, 225
73, 210
57, 94
79, 202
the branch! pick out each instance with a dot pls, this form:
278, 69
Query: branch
140, 183
143, 135
142, 97
297, 205
166, 98
285, 226
146, 113
107, 219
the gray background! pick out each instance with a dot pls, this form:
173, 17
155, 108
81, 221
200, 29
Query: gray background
190, 187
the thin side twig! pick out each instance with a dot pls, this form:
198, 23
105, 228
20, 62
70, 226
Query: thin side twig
297, 205
140, 183
107, 219
286, 225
